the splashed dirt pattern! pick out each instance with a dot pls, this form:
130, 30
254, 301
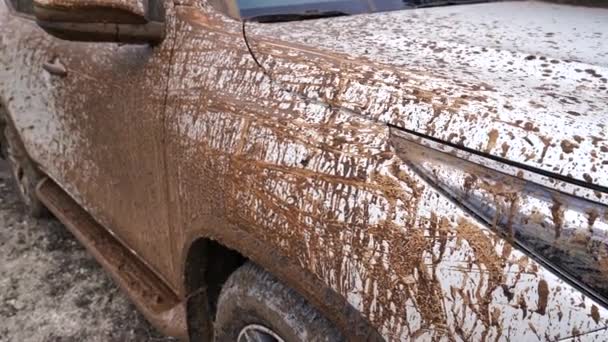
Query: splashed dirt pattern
367, 225
322, 185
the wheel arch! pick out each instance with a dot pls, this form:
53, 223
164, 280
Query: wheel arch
241, 246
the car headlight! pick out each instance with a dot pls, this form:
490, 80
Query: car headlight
565, 232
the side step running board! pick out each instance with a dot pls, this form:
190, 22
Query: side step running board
158, 303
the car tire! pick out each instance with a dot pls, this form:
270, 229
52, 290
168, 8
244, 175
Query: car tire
254, 303
25, 174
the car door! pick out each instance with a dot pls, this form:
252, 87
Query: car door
92, 116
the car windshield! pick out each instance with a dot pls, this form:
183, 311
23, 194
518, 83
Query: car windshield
277, 10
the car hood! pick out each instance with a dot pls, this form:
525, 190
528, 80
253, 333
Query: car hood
520, 81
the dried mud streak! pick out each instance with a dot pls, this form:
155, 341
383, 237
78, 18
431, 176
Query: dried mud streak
515, 219
595, 313
557, 213
322, 186
117, 170
492, 136
486, 256
413, 96
543, 295
311, 256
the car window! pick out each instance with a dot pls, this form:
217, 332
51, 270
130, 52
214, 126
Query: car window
267, 10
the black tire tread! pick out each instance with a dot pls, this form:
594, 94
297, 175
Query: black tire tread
251, 295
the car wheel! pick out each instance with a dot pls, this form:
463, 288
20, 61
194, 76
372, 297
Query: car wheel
25, 174
255, 306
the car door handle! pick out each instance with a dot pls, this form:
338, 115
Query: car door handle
55, 67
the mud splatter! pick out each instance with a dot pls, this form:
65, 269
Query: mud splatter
543, 297
557, 213
492, 137
595, 313
568, 146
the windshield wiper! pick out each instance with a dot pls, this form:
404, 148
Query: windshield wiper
274, 18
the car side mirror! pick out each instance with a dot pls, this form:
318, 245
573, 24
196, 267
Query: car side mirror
126, 21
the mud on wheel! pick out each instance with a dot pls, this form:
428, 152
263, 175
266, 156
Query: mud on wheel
25, 174
255, 306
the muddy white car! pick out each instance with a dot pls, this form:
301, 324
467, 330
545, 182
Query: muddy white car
339, 170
